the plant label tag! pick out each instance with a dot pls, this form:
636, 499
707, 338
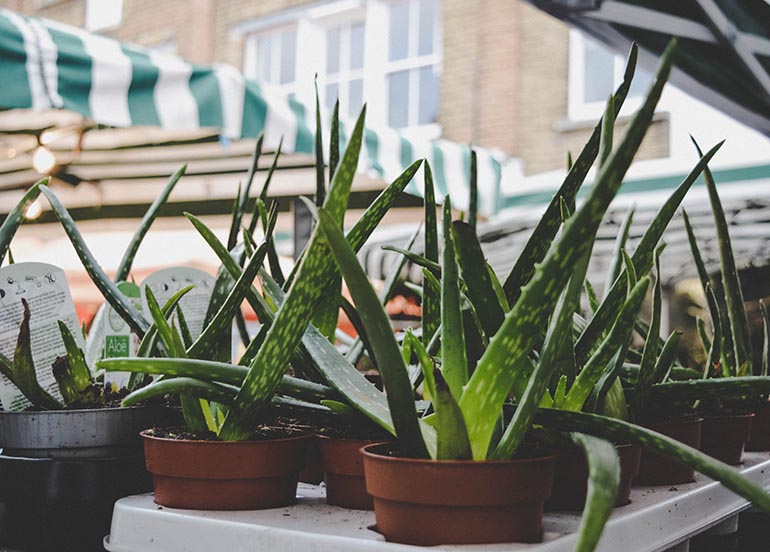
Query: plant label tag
111, 337
45, 289
165, 283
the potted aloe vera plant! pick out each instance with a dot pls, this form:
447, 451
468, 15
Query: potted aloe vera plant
240, 394
69, 448
461, 429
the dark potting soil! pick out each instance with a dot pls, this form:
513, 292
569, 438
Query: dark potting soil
262, 433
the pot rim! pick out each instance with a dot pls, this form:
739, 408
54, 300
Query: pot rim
398, 459
202, 442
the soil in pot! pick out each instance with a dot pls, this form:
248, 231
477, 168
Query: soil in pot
570, 482
724, 437
426, 502
760, 429
658, 470
225, 475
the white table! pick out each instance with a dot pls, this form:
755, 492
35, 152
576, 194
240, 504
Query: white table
657, 518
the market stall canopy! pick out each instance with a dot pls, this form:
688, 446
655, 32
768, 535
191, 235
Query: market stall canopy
46, 64
724, 45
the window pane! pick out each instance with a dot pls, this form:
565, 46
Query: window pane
263, 58
640, 84
355, 97
427, 24
428, 96
331, 92
288, 55
357, 46
333, 51
399, 30
599, 70
398, 99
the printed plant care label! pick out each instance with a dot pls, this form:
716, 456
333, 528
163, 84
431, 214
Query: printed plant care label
111, 337
165, 283
45, 289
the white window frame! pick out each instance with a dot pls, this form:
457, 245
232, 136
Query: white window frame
94, 23
344, 74
251, 55
312, 23
577, 108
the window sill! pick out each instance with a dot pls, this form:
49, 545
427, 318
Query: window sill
576, 124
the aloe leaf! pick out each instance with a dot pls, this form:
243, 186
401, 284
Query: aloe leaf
285, 333
212, 391
628, 265
14, 219
431, 301
477, 277
339, 407
209, 370
150, 338
765, 338
453, 354
265, 187
380, 332
650, 353
607, 130
616, 341
320, 180
666, 358
488, 387
736, 311
710, 388
107, 287
620, 244
81, 375
561, 392
603, 480
642, 257
222, 321
243, 195
164, 328
624, 432
416, 258
6, 368
24, 373
537, 246
184, 329
473, 201
124, 267
593, 299
452, 436
10, 257
334, 140
423, 359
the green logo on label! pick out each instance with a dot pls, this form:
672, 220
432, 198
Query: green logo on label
116, 346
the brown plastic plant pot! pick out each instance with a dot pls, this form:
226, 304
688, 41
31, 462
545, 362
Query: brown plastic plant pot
225, 475
760, 429
343, 468
658, 470
429, 502
724, 437
570, 482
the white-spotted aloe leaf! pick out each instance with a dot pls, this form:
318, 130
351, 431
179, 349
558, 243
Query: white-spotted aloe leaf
386, 352
106, 287
454, 362
643, 258
765, 337
494, 375
243, 195
624, 432
124, 267
603, 480
545, 231
451, 433
620, 244
736, 311
431, 301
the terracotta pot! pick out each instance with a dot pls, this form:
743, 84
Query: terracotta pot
658, 470
427, 502
225, 475
724, 437
570, 482
760, 429
343, 468
313, 472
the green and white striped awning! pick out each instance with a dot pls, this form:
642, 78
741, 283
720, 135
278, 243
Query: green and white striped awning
45, 64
